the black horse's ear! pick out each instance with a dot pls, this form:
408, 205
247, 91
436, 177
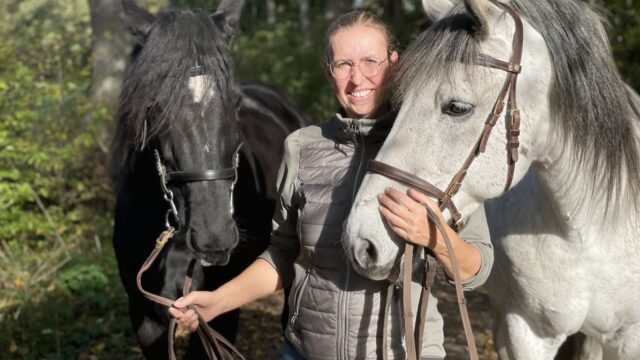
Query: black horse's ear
137, 19
227, 16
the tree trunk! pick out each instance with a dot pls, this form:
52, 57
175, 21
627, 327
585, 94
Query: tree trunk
108, 59
110, 48
394, 14
333, 8
271, 12
303, 14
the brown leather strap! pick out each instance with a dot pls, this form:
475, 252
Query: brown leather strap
215, 345
416, 182
431, 265
413, 348
407, 314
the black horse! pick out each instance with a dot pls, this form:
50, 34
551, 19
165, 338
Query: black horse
181, 100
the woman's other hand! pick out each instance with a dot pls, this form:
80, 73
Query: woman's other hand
206, 302
407, 216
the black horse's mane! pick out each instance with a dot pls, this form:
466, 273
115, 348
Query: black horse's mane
178, 44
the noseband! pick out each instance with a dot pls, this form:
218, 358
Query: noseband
193, 176
445, 201
215, 345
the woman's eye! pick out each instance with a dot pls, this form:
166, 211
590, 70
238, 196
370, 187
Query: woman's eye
456, 108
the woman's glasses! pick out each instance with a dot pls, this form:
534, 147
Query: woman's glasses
342, 69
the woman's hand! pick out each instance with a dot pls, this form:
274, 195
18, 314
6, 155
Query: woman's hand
407, 216
206, 302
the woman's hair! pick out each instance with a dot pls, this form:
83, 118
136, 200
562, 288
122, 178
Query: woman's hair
358, 17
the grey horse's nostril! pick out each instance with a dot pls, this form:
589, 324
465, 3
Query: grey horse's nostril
365, 252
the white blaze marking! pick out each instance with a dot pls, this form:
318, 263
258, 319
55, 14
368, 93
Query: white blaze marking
198, 84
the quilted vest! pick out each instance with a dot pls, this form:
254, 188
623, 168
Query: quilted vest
336, 313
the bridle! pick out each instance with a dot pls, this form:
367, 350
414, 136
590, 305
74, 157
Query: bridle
215, 345
445, 198
181, 177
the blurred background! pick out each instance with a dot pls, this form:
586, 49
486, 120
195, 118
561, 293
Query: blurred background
60, 67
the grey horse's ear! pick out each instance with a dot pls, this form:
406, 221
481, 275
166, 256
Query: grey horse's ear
137, 19
482, 11
436, 9
227, 16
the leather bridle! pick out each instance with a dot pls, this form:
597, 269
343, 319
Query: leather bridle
215, 345
513, 68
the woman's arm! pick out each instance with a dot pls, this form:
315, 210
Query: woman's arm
407, 217
258, 280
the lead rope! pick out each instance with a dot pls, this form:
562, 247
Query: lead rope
215, 345
414, 347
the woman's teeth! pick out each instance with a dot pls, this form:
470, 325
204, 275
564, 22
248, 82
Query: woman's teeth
361, 93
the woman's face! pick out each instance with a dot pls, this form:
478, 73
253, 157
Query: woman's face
361, 96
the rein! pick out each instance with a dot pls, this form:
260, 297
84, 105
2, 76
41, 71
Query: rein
215, 345
413, 337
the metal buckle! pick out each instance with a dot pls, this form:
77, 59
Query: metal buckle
498, 107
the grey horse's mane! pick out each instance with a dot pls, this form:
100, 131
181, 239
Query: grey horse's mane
591, 104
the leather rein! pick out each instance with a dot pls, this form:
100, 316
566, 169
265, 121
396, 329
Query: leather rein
413, 337
215, 345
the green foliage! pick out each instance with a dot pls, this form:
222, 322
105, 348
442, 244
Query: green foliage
624, 35
287, 57
80, 315
54, 197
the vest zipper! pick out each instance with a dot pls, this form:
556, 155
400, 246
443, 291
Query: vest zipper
343, 326
298, 296
355, 133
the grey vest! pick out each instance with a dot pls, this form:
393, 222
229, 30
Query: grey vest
334, 313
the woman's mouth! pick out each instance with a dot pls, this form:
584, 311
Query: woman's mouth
360, 95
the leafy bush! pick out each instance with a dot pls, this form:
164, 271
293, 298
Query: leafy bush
54, 196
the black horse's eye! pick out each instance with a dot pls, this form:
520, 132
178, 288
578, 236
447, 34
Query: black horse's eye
456, 108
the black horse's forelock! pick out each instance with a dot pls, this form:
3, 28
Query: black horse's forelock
591, 105
155, 91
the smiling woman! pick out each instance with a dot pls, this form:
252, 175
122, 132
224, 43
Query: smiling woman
359, 49
335, 312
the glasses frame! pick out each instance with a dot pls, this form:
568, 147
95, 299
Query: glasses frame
331, 64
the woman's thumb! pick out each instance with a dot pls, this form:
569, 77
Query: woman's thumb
185, 301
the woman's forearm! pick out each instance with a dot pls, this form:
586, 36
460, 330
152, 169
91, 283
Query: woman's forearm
467, 256
258, 280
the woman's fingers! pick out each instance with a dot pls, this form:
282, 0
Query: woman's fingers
397, 223
187, 319
402, 199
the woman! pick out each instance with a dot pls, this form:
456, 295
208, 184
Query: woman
334, 312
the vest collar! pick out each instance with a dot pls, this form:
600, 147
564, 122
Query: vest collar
373, 128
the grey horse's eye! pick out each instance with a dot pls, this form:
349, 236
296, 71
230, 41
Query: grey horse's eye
456, 108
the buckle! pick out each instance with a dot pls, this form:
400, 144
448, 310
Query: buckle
498, 107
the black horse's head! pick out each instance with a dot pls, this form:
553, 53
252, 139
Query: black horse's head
180, 98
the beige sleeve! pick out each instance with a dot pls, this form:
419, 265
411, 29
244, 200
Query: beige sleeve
476, 232
285, 246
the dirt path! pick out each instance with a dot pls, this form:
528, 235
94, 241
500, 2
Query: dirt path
260, 333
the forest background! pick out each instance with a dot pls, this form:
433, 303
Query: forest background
60, 67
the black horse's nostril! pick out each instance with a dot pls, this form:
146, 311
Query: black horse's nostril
192, 243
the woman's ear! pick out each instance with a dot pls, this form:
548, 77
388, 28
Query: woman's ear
393, 58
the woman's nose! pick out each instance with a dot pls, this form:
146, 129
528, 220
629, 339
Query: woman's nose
356, 75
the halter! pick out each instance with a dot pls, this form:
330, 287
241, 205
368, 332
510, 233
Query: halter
445, 201
215, 345
193, 176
